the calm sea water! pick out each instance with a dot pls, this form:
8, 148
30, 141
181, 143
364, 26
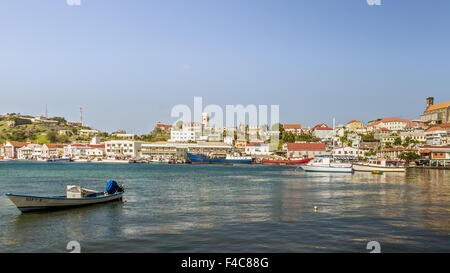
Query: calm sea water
195, 208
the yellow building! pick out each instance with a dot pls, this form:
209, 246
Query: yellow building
354, 125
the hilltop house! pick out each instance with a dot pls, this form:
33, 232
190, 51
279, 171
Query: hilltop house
436, 113
294, 128
392, 124
354, 126
323, 132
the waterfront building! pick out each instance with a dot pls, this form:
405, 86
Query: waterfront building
258, 149
53, 150
171, 150
240, 144
348, 153
30, 151
24, 152
123, 148
11, 147
437, 154
84, 150
435, 114
394, 153
305, 150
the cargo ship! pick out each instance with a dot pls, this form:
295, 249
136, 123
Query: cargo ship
286, 161
229, 159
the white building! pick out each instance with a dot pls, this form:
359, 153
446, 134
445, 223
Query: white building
347, 152
123, 148
392, 124
257, 149
418, 135
53, 150
190, 131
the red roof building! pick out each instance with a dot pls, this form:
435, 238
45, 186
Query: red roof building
305, 150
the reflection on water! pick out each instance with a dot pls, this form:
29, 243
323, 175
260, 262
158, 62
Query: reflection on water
175, 208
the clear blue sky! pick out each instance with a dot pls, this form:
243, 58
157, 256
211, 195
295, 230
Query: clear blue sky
129, 62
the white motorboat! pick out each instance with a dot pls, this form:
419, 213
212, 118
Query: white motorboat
325, 164
380, 165
76, 196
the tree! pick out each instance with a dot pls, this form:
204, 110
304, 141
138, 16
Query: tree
409, 156
52, 136
397, 141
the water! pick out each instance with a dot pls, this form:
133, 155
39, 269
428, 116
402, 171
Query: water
206, 208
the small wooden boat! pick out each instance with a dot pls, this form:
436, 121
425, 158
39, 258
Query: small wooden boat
76, 197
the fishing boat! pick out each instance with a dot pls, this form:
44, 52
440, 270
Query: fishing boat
380, 165
229, 159
286, 161
76, 196
325, 164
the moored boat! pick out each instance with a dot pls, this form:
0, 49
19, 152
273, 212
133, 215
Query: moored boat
286, 161
324, 164
76, 196
380, 165
229, 159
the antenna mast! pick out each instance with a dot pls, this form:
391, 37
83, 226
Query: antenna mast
81, 116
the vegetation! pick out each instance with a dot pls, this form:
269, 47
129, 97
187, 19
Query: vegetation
156, 135
397, 141
409, 156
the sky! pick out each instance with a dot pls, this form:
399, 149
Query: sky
128, 63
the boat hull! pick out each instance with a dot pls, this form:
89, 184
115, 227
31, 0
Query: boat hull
286, 162
201, 159
27, 203
369, 168
327, 169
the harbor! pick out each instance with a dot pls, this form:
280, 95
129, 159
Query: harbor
220, 208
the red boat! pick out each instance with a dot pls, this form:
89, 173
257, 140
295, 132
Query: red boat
286, 161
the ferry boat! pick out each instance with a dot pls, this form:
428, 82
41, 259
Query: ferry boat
325, 164
380, 165
229, 159
286, 161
